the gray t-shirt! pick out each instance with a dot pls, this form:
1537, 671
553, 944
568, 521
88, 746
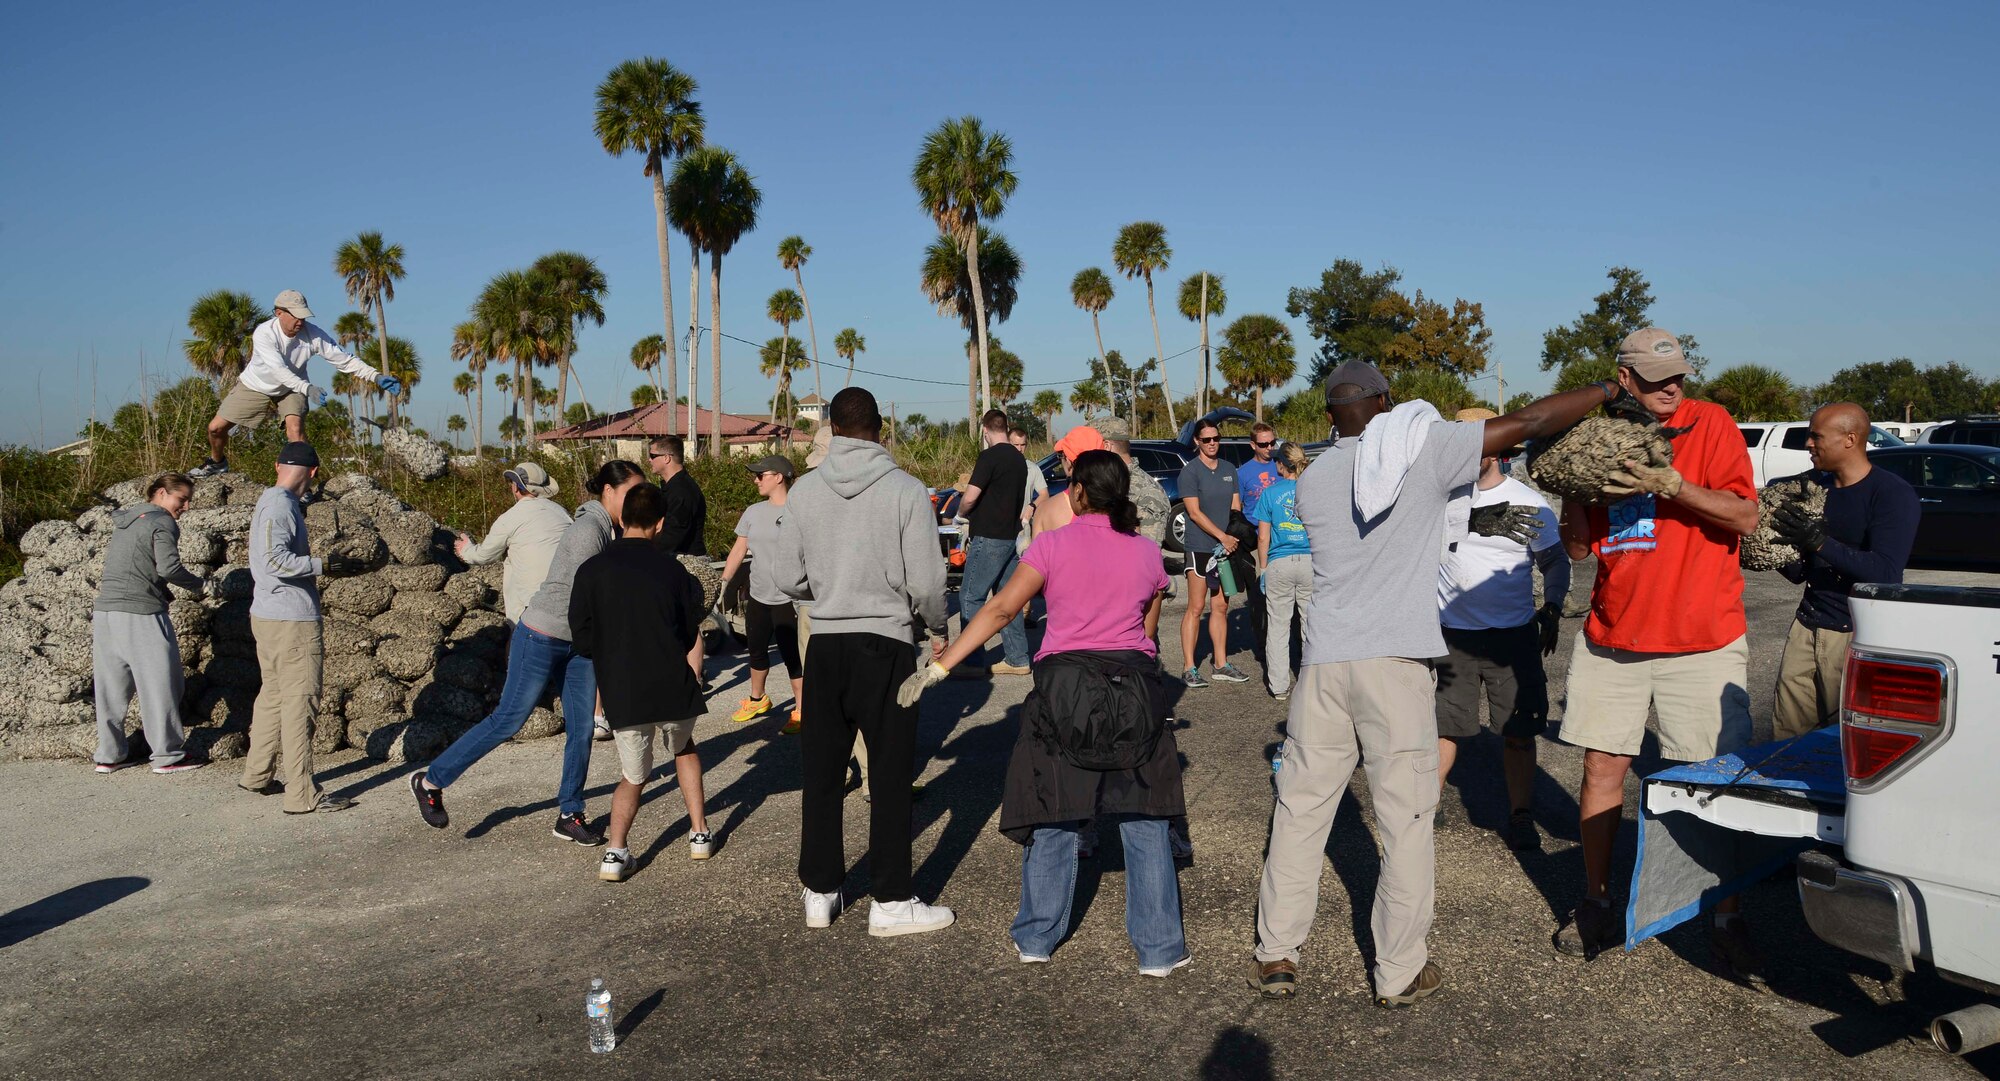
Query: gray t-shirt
1212, 489
1374, 588
759, 525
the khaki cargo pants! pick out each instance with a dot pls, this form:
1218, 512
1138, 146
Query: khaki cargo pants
289, 653
1809, 676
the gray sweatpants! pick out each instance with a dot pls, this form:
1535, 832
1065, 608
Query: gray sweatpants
131, 652
1379, 712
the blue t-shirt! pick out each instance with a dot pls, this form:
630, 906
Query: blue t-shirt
1252, 477
1279, 506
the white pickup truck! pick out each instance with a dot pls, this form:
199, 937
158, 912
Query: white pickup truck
1778, 449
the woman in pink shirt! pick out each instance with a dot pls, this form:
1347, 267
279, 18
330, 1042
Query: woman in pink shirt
1099, 700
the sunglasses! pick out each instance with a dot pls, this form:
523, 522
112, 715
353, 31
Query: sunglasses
1208, 439
1266, 445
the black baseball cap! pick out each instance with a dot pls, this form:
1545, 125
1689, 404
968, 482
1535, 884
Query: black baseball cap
298, 454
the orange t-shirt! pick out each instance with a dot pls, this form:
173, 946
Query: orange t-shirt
1668, 582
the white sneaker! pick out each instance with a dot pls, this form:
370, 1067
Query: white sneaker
700, 846
887, 919
1029, 958
615, 866
1163, 971
600, 729
820, 907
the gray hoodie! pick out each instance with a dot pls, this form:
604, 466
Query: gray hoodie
589, 533
859, 540
144, 556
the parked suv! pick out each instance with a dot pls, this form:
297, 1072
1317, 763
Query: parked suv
1975, 431
1779, 449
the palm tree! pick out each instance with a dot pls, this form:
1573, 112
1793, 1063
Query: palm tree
1046, 405
646, 355
1202, 296
785, 308
221, 323
1141, 249
463, 384
648, 106
1753, 392
455, 423
347, 386
963, 176
574, 287
1088, 397
471, 345
1091, 290
778, 360
847, 343
1006, 370
408, 368
644, 395
351, 329
370, 269
516, 309
793, 251
948, 284
1257, 354
714, 201
511, 428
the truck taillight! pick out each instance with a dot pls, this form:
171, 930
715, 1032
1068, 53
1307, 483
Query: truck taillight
1890, 707
1893, 691
1868, 751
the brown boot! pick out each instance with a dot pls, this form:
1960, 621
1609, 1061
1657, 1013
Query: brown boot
1277, 979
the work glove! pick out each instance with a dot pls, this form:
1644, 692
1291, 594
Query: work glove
1548, 623
923, 679
1520, 524
390, 385
1625, 407
342, 566
315, 396
1799, 527
1657, 478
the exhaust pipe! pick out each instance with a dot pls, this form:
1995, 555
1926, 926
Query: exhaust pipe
1962, 1032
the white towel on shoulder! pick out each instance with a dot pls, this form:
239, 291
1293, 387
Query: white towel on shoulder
1389, 446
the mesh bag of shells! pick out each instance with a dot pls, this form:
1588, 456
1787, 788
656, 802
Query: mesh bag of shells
1577, 464
1763, 550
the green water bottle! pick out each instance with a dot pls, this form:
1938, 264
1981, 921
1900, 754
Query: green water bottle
1229, 588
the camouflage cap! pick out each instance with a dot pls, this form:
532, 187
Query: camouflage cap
1112, 428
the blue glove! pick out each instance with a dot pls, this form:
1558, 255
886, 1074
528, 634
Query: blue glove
315, 396
390, 385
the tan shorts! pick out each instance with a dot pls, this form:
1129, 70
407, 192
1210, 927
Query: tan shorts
250, 408
635, 746
1702, 699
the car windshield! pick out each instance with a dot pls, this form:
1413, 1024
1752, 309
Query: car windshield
1879, 437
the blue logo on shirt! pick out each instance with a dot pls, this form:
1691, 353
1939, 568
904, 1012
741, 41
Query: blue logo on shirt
1632, 525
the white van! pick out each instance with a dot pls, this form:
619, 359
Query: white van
1778, 449
1907, 430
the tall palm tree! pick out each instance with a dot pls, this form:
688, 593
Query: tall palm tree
370, 270
778, 360
1202, 296
463, 384
455, 423
963, 175
785, 308
221, 323
1257, 354
1091, 290
646, 354
572, 284
713, 200
347, 387
1046, 404
647, 105
516, 311
1089, 396
408, 368
847, 343
1141, 249
793, 251
471, 345
645, 394
351, 329
948, 283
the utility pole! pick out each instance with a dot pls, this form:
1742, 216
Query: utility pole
892, 425
1499, 389
1204, 343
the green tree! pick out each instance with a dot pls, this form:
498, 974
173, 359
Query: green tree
1587, 349
1088, 397
1353, 313
784, 308
370, 270
1140, 250
346, 386
644, 395
647, 106
471, 345
221, 324
575, 288
1956, 391
351, 329
847, 343
647, 353
454, 424
516, 312
1202, 296
1046, 404
948, 284
579, 413
463, 384
713, 200
963, 176
511, 428
1438, 386
408, 368
1519, 401
793, 251
1453, 339
1257, 354
1753, 392
778, 360
1006, 371
1091, 290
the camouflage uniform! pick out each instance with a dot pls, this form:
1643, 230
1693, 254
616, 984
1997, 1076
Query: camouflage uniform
1145, 491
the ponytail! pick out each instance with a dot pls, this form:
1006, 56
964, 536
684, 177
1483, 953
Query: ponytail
1106, 484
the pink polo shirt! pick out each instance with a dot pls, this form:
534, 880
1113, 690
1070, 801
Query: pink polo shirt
1099, 582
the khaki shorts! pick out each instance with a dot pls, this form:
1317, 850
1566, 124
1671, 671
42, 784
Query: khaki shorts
635, 746
1702, 700
250, 408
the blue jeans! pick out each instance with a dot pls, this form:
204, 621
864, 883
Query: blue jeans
1152, 893
533, 659
989, 562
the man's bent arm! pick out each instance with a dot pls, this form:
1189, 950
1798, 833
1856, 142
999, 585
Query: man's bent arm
1544, 417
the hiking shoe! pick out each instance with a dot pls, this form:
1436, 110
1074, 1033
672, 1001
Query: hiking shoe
1425, 985
1733, 949
616, 866
1229, 673
820, 907
791, 726
751, 708
268, 788
700, 846
209, 468
1192, 677
600, 729
430, 801
1163, 971
887, 919
326, 805
190, 760
572, 827
1005, 669
113, 767
1591, 931
1277, 979
1522, 836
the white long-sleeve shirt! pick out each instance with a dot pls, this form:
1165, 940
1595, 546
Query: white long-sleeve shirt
527, 535
278, 364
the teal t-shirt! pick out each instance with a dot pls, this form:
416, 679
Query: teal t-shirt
1279, 505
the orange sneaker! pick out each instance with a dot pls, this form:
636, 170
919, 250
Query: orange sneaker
791, 726
751, 708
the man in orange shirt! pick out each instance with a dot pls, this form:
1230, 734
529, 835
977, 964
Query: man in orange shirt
1666, 624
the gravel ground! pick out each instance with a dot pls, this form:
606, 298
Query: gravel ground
175, 926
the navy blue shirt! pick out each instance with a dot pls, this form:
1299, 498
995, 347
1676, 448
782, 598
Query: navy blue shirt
1870, 526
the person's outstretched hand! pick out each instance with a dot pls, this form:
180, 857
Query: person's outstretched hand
342, 566
1520, 524
1799, 527
1548, 623
390, 385
923, 679
315, 396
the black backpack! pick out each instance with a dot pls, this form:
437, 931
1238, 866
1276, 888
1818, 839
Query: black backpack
1099, 711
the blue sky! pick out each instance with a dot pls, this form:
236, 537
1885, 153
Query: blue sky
1807, 185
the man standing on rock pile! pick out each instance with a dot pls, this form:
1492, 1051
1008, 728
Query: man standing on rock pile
275, 379
285, 619
131, 639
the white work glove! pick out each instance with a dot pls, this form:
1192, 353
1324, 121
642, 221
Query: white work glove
315, 396
923, 679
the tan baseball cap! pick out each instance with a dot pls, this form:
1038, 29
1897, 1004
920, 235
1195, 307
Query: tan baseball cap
293, 301
822, 442
1653, 354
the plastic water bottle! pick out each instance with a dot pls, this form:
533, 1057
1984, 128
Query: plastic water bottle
1278, 760
597, 1017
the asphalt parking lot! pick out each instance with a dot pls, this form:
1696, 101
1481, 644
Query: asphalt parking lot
177, 927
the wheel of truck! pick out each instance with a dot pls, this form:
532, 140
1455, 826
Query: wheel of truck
1177, 527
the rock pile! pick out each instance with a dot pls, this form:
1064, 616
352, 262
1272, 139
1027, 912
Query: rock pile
1762, 550
423, 458
1576, 464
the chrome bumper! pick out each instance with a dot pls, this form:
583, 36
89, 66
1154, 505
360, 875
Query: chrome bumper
1869, 914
